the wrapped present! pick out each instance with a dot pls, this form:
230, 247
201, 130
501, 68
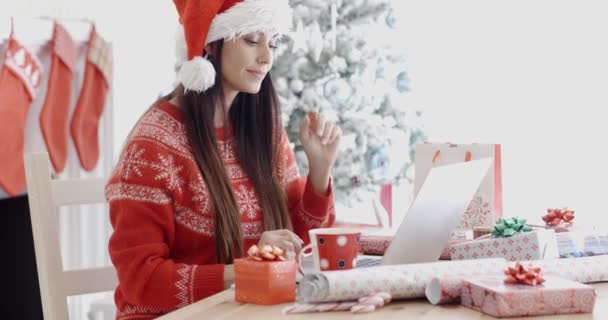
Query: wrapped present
444, 290
576, 244
406, 281
534, 245
374, 245
491, 295
265, 278
585, 269
377, 245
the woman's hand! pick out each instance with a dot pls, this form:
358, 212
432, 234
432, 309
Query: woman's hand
284, 239
320, 139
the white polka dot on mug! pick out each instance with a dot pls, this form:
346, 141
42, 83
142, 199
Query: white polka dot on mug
332, 249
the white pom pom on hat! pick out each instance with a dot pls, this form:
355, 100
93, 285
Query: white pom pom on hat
206, 21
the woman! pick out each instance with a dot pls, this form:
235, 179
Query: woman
208, 171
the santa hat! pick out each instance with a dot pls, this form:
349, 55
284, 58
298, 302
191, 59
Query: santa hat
206, 21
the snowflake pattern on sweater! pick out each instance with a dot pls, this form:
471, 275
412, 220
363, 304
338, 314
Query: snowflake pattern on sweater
163, 245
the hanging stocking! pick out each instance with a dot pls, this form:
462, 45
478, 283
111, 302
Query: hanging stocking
56, 108
19, 80
91, 102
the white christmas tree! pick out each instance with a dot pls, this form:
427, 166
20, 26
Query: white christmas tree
341, 61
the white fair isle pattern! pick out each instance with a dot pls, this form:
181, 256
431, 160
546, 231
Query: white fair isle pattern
184, 285
235, 172
169, 172
534, 245
197, 222
227, 150
158, 147
200, 195
400, 281
138, 313
288, 176
133, 163
127, 191
247, 201
311, 220
252, 230
160, 128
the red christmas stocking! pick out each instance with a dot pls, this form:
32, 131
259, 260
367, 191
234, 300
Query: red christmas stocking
19, 80
91, 102
56, 108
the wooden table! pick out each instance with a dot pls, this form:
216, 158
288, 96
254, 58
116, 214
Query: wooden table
223, 306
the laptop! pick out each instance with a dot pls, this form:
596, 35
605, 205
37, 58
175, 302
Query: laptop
433, 215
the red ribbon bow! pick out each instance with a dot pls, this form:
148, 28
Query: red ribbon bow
267, 253
555, 216
520, 274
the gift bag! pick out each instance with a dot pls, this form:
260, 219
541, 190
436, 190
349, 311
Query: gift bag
486, 205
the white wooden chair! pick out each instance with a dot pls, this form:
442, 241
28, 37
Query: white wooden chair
46, 195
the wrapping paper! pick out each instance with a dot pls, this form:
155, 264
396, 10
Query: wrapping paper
400, 281
444, 290
374, 245
535, 245
377, 245
584, 269
555, 296
264, 282
447, 289
581, 243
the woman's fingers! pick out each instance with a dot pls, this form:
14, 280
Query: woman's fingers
336, 133
329, 127
283, 238
320, 125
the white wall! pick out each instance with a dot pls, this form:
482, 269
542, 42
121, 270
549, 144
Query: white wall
531, 75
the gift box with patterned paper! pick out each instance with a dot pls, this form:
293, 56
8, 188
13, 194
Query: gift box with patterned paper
534, 245
491, 295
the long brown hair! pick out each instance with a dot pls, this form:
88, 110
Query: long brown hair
256, 125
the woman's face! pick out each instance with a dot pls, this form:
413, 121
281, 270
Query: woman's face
246, 61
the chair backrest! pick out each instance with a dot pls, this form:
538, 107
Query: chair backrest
46, 195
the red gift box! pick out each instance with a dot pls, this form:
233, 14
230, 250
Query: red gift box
492, 296
264, 282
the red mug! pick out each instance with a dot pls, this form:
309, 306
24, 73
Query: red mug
332, 249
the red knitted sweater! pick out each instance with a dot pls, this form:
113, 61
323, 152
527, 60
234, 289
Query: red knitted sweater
163, 244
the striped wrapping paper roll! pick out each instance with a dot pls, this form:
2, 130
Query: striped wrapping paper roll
400, 281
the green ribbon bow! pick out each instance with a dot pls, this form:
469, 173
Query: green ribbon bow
510, 226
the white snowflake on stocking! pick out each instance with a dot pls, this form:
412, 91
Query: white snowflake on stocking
133, 162
168, 171
200, 195
248, 202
